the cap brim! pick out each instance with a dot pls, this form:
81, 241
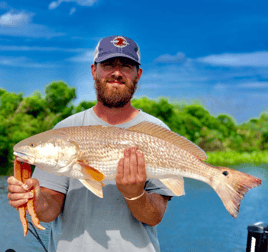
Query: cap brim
115, 55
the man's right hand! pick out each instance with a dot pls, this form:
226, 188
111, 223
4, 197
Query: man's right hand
47, 203
20, 193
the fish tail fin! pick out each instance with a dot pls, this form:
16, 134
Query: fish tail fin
232, 186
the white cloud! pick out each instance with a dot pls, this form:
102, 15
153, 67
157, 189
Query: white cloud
85, 57
72, 11
20, 24
221, 86
21, 62
85, 2
262, 95
167, 58
237, 85
161, 86
176, 73
40, 49
254, 59
11, 19
55, 4
254, 85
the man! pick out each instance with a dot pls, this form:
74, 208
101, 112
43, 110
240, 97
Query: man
125, 219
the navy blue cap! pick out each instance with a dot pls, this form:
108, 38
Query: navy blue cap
116, 46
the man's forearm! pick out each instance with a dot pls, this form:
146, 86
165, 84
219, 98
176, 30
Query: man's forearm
149, 209
49, 205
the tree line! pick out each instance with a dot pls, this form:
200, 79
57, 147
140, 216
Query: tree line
22, 117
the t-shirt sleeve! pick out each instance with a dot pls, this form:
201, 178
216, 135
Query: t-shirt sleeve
156, 186
51, 181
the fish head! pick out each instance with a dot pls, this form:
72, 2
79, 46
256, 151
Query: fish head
51, 151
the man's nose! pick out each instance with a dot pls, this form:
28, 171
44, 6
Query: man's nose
117, 71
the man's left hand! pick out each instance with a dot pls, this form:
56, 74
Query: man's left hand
131, 173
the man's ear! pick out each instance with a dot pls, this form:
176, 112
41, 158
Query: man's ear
93, 71
139, 73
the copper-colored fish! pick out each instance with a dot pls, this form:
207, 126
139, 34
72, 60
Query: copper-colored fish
91, 154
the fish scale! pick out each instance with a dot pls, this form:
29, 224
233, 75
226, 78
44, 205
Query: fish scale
102, 151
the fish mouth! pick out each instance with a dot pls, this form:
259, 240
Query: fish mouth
24, 157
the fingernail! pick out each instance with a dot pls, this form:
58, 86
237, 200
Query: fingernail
30, 195
25, 187
139, 152
134, 149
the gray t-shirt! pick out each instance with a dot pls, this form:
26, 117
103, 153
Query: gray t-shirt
89, 223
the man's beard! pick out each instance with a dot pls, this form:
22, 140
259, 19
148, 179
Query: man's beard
113, 97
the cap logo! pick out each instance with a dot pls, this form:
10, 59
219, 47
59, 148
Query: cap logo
120, 42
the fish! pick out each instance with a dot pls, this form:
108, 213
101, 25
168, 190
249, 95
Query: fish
91, 155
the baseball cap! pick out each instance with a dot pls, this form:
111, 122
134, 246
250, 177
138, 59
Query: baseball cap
116, 46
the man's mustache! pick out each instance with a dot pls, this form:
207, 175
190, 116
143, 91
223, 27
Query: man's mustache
120, 80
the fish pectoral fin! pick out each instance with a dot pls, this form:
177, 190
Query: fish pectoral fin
94, 186
94, 174
176, 185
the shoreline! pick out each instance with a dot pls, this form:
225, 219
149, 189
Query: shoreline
236, 158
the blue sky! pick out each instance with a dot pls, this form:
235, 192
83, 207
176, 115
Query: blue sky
212, 51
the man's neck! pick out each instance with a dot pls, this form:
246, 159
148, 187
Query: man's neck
115, 116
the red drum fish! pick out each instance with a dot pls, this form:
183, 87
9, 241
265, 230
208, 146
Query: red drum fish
91, 154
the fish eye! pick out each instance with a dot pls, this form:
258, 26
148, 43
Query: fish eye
225, 173
32, 144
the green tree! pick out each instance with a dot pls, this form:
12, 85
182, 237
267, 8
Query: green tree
84, 105
58, 99
263, 128
9, 102
34, 105
59, 96
161, 108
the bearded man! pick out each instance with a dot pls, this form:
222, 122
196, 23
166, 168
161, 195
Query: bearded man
126, 218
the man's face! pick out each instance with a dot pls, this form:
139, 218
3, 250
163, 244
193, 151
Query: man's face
115, 81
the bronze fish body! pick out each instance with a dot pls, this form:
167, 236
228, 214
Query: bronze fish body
91, 154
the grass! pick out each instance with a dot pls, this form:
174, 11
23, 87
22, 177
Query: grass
235, 158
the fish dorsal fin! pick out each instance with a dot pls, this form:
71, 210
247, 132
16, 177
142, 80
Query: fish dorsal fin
167, 135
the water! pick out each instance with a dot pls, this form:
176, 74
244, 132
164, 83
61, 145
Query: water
197, 222
11, 232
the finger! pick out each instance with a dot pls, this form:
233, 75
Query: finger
141, 165
18, 203
33, 183
13, 181
20, 196
16, 189
126, 163
133, 164
120, 169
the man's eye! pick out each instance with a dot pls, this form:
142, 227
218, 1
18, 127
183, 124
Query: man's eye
127, 65
107, 66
